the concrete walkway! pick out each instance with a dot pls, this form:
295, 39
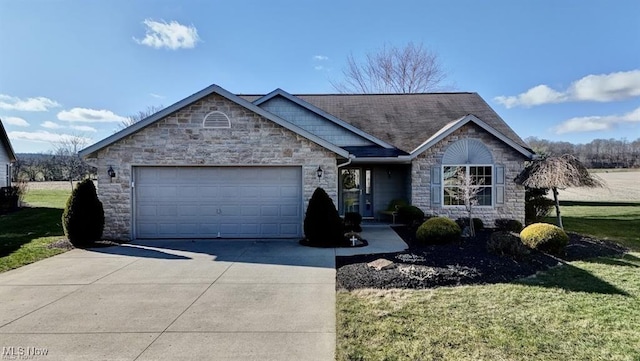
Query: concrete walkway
168, 300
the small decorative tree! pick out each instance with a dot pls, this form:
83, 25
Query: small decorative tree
83, 217
467, 193
557, 172
322, 224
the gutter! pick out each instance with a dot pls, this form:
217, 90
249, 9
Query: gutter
351, 158
403, 159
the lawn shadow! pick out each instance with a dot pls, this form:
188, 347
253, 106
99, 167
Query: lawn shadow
27, 224
626, 261
572, 279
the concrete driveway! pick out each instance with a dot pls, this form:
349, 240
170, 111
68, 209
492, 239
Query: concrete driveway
168, 300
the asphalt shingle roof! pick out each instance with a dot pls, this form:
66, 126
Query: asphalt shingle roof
406, 120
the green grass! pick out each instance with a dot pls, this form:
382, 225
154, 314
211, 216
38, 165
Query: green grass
619, 222
582, 311
26, 234
48, 198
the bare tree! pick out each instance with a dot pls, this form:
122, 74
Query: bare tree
140, 115
411, 69
67, 158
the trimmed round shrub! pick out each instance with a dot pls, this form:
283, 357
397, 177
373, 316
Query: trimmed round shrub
508, 225
464, 222
410, 215
83, 216
507, 244
322, 224
544, 237
352, 221
438, 230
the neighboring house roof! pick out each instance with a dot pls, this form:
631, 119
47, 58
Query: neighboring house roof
213, 89
4, 138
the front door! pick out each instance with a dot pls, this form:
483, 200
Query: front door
356, 191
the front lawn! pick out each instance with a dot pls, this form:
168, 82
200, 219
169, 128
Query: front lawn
25, 235
618, 222
581, 311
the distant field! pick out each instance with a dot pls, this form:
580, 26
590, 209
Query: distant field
620, 187
47, 194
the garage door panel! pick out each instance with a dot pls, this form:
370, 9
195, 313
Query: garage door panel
199, 202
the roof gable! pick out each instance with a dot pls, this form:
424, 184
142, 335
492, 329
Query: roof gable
213, 89
4, 138
455, 125
264, 101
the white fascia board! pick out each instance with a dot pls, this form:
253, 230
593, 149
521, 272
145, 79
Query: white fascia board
197, 96
323, 114
402, 159
457, 124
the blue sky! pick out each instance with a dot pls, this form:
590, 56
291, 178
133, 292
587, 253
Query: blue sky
560, 70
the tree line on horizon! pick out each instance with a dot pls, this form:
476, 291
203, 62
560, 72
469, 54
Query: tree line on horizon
599, 153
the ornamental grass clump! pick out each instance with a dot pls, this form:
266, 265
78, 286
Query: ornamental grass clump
438, 230
83, 216
544, 237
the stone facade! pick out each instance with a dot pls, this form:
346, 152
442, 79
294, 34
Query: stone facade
503, 155
180, 140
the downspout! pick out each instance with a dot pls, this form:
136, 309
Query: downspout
351, 158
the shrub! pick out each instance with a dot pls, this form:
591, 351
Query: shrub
508, 225
410, 215
506, 243
83, 217
537, 205
352, 221
438, 230
545, 237
9, 197
395, 204
464, 222
322, 224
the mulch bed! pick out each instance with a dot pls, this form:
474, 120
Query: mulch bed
463, 263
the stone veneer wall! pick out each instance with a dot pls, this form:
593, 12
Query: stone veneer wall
513, 207
180, 140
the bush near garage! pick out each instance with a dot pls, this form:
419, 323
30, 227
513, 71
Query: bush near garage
323, 226
83, 216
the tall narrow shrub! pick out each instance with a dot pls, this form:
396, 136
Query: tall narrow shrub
322, 224
83, 217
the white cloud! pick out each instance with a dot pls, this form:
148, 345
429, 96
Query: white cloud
37, 104
51, 125
173, 35
83, 128
19, 122
320, 57
596, 122
90, 116
319, 67
44, 136
157, 96
597, 88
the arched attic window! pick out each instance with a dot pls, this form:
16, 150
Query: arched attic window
467, 158
216, 119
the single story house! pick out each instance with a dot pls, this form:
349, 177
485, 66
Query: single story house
7, 157
217, 164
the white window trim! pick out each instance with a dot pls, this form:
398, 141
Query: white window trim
493, 185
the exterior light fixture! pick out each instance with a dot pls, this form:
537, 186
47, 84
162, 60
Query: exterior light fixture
111, 172
319, 172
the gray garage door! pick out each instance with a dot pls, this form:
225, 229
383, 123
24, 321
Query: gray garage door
210, 202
